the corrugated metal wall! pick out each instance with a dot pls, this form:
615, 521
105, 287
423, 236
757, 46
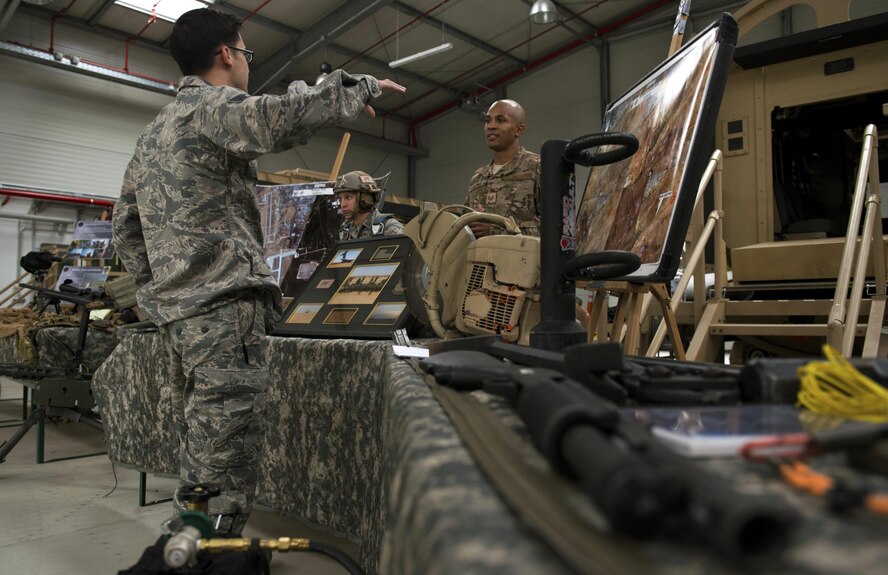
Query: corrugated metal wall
57, 131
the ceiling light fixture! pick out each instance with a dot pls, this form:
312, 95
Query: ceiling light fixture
544, 12
168, 10
326, 68
442, 47
420, 55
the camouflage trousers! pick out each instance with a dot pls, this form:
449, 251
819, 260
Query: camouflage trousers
219, 384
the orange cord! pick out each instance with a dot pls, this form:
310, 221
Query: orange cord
877, 503
803, 477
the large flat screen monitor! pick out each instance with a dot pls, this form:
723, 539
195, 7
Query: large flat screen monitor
643, 204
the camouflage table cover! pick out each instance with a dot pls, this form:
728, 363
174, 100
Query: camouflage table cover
55, 347
357, 444
134, 401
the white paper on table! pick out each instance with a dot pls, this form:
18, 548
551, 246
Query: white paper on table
405, 351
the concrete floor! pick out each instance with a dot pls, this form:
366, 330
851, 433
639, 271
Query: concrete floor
81, 516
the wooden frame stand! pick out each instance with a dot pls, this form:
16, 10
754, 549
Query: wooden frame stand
626, 327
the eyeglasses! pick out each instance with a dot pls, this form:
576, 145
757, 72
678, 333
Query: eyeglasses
248, 54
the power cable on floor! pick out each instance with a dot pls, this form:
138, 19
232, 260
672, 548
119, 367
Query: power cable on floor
114, 472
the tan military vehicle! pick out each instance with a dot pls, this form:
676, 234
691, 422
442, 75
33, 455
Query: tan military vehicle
791, 127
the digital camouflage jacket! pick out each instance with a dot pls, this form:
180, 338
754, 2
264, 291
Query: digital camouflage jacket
187, 224
513, 191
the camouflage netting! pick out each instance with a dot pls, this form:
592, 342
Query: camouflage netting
49, 339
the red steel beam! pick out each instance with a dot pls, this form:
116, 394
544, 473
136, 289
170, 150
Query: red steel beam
57, 197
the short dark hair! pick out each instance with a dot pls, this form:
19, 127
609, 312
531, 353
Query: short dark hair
198, 35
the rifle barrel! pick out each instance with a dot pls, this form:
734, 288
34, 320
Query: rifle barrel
76, 299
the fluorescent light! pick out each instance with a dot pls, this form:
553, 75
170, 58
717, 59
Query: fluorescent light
169, 10
420, 55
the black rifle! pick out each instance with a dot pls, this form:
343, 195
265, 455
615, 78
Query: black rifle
639, 485
31, 372
80, 298
603, 369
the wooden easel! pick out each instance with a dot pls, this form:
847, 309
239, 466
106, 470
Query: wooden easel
626, 327
634, 299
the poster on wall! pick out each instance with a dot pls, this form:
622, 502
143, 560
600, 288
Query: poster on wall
299, 224
92, 239
84, 277
356, 292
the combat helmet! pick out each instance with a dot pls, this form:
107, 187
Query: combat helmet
361, 183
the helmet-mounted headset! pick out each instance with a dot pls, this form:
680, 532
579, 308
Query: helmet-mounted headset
360, 183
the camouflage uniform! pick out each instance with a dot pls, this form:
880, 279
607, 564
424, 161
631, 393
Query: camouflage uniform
376, 224
513, 191
187, 228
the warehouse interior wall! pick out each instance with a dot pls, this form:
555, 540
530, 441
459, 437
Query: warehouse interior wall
70, 132
562, 100
64, 131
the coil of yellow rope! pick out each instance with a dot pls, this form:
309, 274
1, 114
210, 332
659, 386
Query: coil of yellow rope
835, 387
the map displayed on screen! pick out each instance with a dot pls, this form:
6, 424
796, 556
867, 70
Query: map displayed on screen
298, 223
629, 205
